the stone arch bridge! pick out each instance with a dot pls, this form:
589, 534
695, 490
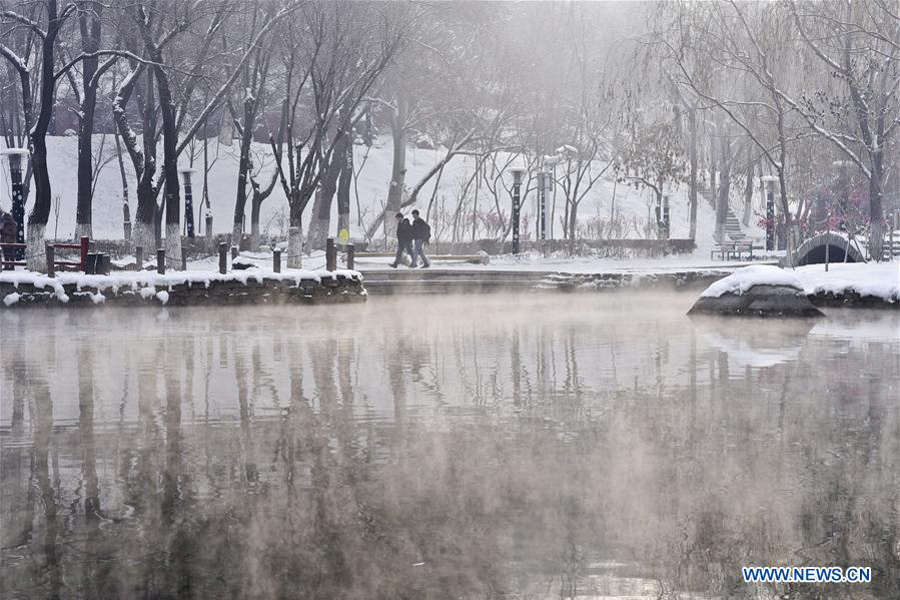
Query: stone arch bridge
839, 249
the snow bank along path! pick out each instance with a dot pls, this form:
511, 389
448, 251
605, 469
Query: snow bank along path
18, 288
843, 282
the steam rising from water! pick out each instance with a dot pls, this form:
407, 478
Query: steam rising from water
484, 446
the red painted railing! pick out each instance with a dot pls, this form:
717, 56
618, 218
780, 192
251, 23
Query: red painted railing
83, 247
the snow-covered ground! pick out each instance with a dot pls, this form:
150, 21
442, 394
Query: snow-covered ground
878, 280
367, 197
533, 261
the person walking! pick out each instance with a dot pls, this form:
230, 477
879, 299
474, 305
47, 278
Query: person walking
7, 236
421, 234
404, 240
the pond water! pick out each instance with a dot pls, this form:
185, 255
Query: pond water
533, 446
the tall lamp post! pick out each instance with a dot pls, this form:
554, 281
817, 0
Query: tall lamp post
663, 217
17, 158
769, 185
188, 200
544, 183
550, 162
517, 173
563, 153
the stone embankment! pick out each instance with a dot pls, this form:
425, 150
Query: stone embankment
181, 288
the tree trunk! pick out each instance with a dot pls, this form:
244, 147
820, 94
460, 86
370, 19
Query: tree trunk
40, 212
146, 226
724, 189
295, 248
573, 222
43, 196
876, 217
85, 166
658, 212
170, 171
320, 220
320, 223
343, 197
398, 166
126, 210
240, 203
712, 171
145, 217
255, 205
295, 231
748, 189
790, 240
692, 118
89, 23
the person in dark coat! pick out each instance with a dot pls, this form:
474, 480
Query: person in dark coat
404, 240
421, 234
8, 236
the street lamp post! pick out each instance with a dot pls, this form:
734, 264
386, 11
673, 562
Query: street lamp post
550, 162
517, 173
188, 200
544, 188
769, 183
17, 157
663, 217
126, 219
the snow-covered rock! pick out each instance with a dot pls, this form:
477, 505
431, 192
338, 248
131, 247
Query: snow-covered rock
877, 281
758, 290
758, 301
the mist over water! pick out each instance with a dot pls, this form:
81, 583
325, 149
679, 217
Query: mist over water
457, 447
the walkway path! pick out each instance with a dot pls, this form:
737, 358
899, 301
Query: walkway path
436, 280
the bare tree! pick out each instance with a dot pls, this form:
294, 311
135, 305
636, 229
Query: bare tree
158, 29
37, 126
858, 45
253, 94
90, 27
735, 59
332, 62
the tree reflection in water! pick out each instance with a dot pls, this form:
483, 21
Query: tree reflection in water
518, 447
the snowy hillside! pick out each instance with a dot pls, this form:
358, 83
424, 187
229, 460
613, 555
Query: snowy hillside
630, 205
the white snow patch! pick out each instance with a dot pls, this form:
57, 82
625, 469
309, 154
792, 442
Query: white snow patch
878, 280
163, 297
11, 299
743, 279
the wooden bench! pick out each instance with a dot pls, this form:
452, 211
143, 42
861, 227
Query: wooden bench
733, 250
